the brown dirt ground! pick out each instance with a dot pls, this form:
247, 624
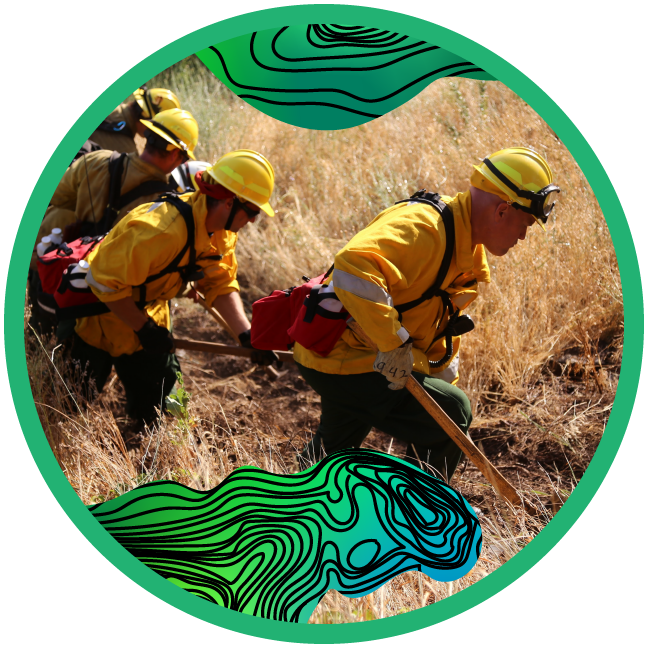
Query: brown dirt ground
542, 444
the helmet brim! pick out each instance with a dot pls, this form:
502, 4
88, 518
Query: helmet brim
267, 209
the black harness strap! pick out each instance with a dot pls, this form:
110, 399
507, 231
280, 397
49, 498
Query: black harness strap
107, 220
434, 200
435, 290
313, 299
190, 272
236, 205
147, 188
116, 201
116, 171
312, 303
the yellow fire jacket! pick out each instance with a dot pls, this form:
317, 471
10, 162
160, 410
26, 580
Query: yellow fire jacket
141, 245
394, 260
124, 140
82, 194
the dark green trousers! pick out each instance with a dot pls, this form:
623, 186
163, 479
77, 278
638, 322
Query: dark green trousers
352, 405
148, 378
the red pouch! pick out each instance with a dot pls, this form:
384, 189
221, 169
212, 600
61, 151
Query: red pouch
74, 298
316, 327
297, 315
52, 265
271, 321
63, 280
273, 315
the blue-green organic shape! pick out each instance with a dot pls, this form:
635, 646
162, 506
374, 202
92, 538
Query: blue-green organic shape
272, 545
328, 77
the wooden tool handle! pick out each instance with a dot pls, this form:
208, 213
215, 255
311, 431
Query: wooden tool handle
271, 372
501, 485
224, 349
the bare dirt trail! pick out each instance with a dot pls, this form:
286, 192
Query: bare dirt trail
542, 440
542, 444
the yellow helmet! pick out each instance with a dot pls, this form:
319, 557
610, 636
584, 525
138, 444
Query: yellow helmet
247, 174
522, 178
178, 127
155, 100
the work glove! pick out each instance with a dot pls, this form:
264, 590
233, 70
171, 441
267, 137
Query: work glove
154, 338
260, 356
395, 365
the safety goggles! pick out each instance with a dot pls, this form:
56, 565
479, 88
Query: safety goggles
542, 202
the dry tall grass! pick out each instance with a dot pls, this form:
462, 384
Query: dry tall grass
540, 369
228, 428
330, 184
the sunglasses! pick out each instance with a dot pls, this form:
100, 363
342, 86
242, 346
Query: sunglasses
249, 212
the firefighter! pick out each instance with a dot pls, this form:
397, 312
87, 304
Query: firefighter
82, 203
144, 262
117, 131
81, 198
381, 277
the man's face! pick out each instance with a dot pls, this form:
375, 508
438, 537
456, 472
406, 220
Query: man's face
507, 226
172, 161
218, 215
244, 217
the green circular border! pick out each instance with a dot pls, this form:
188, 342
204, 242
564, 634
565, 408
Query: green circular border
519, 564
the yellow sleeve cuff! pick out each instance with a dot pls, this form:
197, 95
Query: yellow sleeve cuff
213, 293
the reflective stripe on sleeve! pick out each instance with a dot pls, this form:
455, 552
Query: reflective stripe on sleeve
403, 334
91, 281
360, 287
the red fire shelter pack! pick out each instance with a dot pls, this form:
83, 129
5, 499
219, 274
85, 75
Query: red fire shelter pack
309, 314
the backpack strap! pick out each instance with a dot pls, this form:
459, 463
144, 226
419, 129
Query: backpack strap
145, 189
434, 200
187, 215
115, 172
191, 271
116, 201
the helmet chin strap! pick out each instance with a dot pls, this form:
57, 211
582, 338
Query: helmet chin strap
236, 205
